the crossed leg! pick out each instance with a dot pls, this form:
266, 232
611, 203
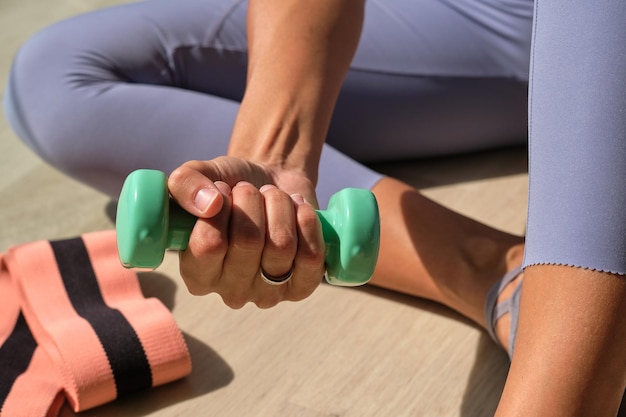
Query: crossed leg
568, 358
432, 252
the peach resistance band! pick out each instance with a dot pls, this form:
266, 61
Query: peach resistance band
74, 326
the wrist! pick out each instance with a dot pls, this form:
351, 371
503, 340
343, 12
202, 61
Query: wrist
286, 135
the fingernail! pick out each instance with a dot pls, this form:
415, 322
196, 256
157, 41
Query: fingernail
266, 187
223, 187
297, 198
204, 198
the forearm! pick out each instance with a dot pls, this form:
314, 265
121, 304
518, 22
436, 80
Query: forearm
299, 52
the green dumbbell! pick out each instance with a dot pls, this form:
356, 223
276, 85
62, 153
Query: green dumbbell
149, 222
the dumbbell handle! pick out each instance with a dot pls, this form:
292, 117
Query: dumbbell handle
148, 222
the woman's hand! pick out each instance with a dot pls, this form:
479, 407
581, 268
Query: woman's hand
251, 218
256, 206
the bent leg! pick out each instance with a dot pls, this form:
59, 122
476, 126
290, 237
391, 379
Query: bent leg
577, 137
433, 78
152, 85
156, 83
569, 358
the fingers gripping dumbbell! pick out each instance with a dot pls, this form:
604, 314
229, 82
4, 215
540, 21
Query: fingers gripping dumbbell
149, 222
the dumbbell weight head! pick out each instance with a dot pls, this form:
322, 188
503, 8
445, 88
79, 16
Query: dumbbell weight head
351, 229
143, 221
149, 222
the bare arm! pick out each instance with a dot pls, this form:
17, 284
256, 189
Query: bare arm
299, 54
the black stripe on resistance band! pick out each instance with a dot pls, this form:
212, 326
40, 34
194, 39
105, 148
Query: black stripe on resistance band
15, 356
130, 366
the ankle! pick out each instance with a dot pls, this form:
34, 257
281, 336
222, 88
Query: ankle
515, 255
484, 260
492, 255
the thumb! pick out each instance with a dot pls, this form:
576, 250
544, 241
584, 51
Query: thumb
196, 193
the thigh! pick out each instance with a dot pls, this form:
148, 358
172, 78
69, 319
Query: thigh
447, 38
434, 77
156, 83
380, 117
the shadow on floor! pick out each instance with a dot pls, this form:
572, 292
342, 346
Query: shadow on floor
486, 380
432, 172
488, 374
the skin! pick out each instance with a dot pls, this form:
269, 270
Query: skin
256, 209
571, 364
277, 140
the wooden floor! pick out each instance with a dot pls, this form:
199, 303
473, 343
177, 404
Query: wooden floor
342, 352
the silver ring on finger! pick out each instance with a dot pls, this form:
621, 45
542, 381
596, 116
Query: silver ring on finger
275, 280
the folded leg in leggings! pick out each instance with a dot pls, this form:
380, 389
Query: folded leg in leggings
154, 84
569, 356
157, 83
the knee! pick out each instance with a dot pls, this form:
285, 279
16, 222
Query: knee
34, 91
20, 92
42, 100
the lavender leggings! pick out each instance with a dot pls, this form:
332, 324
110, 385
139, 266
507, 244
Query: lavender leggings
156, 83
